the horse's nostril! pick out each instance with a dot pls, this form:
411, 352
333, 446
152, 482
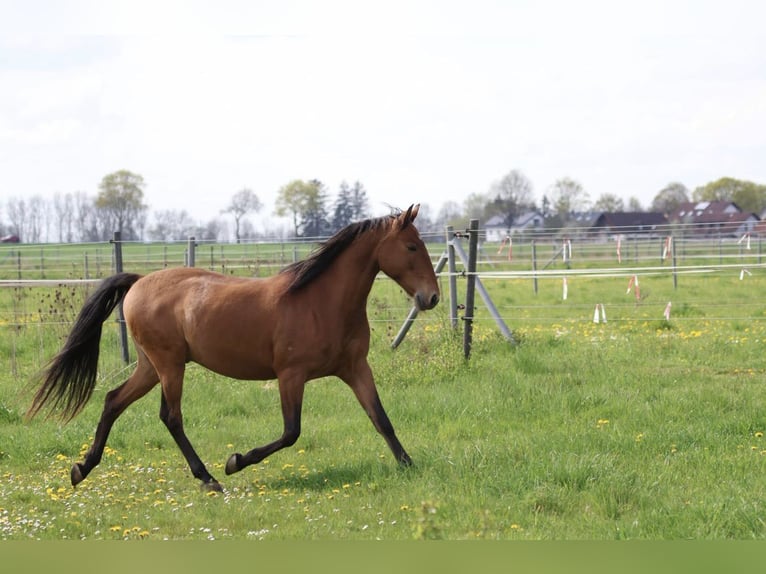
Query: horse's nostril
434, 300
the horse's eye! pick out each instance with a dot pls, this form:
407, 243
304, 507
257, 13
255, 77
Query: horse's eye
412, 247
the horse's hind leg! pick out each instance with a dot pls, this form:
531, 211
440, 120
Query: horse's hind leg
170, 413
142, 380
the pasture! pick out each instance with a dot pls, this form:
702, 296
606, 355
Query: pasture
637, 428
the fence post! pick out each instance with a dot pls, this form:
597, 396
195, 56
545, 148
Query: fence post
190, 254
470, 291
452, 277
117, 242
675, 266
534, 265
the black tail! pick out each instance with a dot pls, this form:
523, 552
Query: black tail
69, 379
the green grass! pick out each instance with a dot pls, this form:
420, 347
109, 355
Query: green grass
639, 428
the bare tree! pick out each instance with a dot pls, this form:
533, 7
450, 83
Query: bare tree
670, 197
171, 224
18, 217
568, 196
609, 203
242, 203
63, 209
512, 195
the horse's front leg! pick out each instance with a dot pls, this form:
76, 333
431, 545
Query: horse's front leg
362, 383
291, 394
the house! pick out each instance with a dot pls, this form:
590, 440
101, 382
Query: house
690, 212
644, 223
714, 218
497, 229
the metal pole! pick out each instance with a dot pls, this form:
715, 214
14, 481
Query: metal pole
675, 270
487, 299
452, 278
117, 242
470, 290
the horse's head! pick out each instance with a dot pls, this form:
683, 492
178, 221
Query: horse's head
403, 256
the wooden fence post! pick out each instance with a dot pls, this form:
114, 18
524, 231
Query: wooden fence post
190, 252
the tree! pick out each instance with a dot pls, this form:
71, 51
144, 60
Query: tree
351, 204
304, 202
609, 203
343, 213
634, 204
449, 214
63, 209
120, 204
171, 224
513, 194
18, 216
749, 196
85, 217
670, 197
568, 196
360, 205
242, 203
315, 219
477, 205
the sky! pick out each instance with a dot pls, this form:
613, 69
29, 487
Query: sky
421, 101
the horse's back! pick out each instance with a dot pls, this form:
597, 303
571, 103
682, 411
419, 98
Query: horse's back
220, 321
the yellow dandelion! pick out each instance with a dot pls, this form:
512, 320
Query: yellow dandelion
115, 528
759, 434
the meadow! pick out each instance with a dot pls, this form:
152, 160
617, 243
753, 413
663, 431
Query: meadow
640, 427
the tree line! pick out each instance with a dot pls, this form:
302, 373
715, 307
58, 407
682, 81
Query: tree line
313, 212
513, 195
119, 206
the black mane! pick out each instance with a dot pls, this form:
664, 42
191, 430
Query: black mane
306, 270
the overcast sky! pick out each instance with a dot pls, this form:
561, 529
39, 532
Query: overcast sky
420, 101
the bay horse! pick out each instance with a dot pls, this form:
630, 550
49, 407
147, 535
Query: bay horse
307, 321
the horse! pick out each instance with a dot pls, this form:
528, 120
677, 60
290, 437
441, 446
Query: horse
307, 321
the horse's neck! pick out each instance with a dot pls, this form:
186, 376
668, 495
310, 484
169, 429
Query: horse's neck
354, 274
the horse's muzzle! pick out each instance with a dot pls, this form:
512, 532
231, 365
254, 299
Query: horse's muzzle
424, 302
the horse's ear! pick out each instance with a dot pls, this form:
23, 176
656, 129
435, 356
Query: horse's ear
408, 216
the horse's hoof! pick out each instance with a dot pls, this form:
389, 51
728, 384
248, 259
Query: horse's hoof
232, 465
211, 486
76, 474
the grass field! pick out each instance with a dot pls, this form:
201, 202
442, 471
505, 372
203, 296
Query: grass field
638, 428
